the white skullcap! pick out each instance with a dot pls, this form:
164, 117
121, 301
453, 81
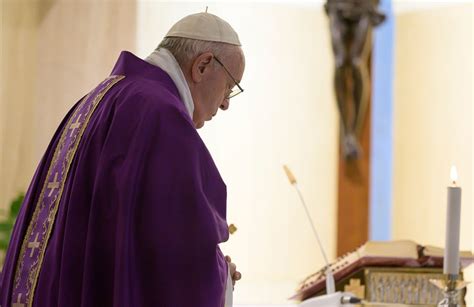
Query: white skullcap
206, 27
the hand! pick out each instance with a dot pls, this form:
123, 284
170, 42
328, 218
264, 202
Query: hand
233, 270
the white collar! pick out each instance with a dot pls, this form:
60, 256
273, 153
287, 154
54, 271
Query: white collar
165, 60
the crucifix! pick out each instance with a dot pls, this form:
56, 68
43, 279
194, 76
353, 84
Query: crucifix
351, 23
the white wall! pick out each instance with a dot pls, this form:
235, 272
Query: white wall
406, 6
433, 123
287, 114
46, 64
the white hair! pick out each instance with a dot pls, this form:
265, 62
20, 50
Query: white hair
186, 49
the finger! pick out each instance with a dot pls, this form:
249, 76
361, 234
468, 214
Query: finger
232, 268
227, 258
237, 275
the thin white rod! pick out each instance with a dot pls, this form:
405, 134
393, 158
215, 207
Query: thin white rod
312, 225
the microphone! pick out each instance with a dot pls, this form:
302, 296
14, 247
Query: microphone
330, 283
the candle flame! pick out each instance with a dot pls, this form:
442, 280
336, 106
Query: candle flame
454, 174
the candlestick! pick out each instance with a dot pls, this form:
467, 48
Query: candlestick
452, 286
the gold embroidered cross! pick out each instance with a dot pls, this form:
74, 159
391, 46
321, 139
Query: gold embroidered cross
34, 244
53, 185
18, 304
356, 288
75, 125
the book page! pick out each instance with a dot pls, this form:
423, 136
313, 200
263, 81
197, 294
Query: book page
391, 249
434, 251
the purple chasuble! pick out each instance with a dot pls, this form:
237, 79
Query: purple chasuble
126, 207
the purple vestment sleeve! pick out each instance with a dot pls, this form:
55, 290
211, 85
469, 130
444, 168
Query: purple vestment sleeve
142, 211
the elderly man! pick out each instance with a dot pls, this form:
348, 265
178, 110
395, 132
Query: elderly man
127, 207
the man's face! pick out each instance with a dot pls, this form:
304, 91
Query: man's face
213, 84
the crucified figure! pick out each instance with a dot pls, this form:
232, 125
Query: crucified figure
351, 22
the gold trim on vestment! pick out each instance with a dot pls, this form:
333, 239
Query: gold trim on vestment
49, 222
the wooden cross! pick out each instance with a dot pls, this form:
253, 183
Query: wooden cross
34, 244
18, 304
75, 125
53, 185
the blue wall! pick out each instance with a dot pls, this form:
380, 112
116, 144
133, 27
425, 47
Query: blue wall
381, 168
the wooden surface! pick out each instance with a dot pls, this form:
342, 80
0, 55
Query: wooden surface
353, 196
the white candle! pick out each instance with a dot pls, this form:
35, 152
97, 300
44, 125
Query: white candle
453, 223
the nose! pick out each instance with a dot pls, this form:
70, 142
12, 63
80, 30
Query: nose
225, 104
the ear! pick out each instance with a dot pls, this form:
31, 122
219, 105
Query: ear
201, 66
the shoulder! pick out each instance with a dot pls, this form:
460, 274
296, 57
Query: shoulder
149, 98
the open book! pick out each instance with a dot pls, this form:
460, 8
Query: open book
378, 254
